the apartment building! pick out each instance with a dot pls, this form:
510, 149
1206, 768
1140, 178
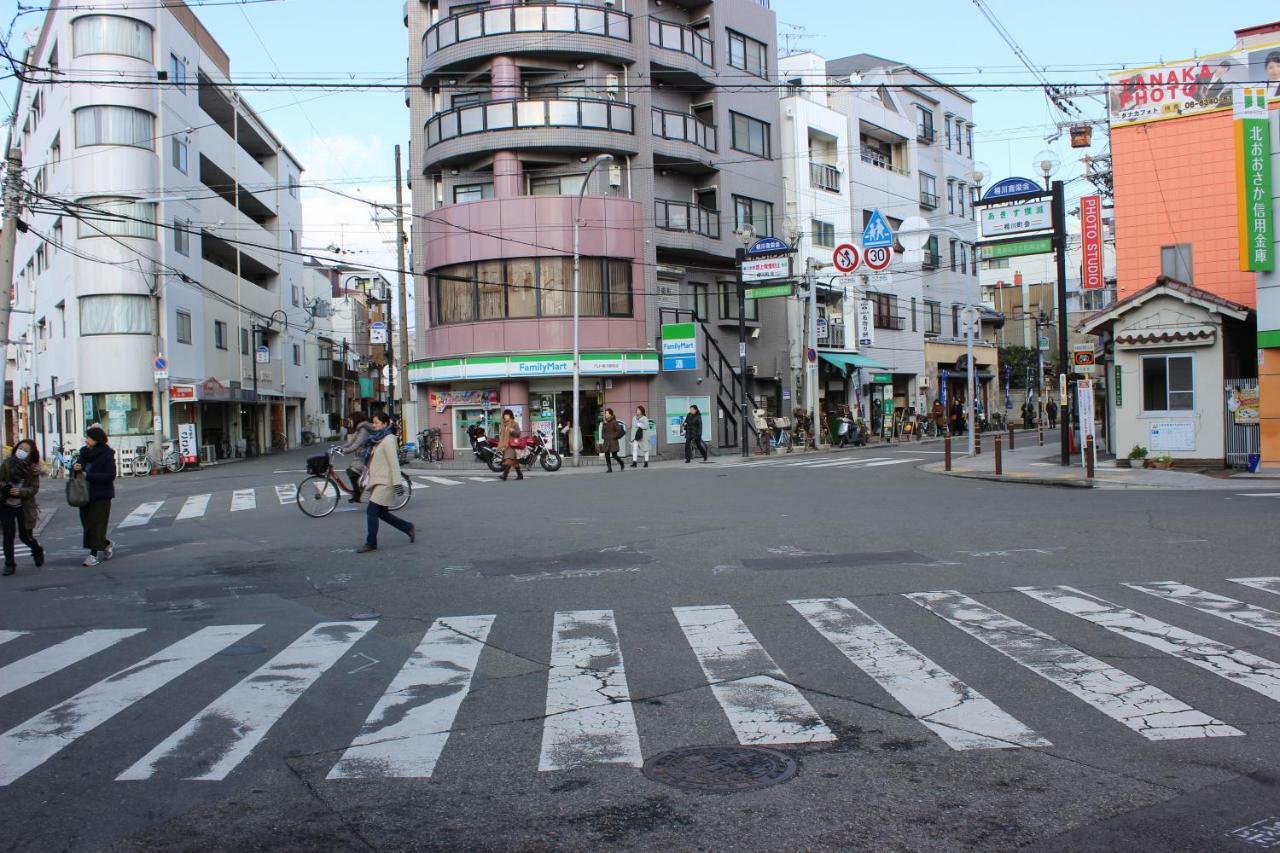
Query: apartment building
514, 109
347, 365
164, 220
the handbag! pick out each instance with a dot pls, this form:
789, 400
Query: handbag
77, 491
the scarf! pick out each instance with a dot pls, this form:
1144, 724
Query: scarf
371, 442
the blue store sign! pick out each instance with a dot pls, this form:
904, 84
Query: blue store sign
769, 246
1013, 188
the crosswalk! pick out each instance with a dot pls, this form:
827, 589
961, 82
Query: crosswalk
830, 462
590, 697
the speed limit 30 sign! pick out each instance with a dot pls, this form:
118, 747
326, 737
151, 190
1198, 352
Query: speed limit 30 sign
846, 257
877, 257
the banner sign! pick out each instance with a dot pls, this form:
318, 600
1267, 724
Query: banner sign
187, 444
1091, 264
1007, 220
440, 400
763, 269
1188, 87
866, 323
1016, 248
679, 346
1253, 181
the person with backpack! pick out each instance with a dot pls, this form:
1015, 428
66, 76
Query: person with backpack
639, 436
20, 474
692, 429
611, 432
97, 464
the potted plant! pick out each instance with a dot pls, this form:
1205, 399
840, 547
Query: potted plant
1162, 462
1134, 459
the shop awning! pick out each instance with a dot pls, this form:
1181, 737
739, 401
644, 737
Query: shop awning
852, 359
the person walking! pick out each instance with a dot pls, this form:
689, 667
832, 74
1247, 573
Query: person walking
20, 474
1051, 412
359, 429
97, 464
639, 436
692, 429
508, 437
610, 433
383, 466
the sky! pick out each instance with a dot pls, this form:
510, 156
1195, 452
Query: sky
345, 139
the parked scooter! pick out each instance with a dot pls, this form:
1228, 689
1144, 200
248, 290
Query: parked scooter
853, 432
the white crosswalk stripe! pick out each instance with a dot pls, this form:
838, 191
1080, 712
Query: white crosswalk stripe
752, 690
6, 636
45, 662
1216, 605
408, 727
30, 744
243, 499
1235, 665
287, 493
891, 462
589, 717
960, 715
1271, 585
141, 515
442, 481
482, 479
1150, 712
237, 720
195, 506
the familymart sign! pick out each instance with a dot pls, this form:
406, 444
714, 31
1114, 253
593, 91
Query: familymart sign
532, 366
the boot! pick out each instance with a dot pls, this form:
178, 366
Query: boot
519, 474
633, 463
353, 475
646, 463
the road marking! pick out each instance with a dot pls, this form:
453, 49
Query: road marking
589, 716
892, 462
930, 452
215, 741
1215, 605
1271, 585
407, 730
1147, 710
960, 715
752, 690
30, 744
6, 636
242, 499
419, 484
483, 479
443, 481
1248, 670
45, 662
287, 493
805, 464
1259, 495
194, 507
141, 515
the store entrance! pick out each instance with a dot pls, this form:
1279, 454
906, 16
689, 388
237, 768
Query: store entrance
591, 412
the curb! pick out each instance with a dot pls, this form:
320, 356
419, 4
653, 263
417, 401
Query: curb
1002, 478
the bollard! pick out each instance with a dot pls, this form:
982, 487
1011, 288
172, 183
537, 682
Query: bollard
999, 461
977, 443
946, 452
1088, 457
1011, 436
1042, 435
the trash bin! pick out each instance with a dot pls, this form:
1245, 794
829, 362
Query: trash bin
1254, 462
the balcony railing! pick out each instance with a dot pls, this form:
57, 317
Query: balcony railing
833, 338
673, 125
932, 260
926, 134
587, 113
673, 36
928, 199
686, 216
890, 321
824, 176
527, 18
877, 158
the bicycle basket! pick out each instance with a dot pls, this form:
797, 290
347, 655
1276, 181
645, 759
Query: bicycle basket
318, 465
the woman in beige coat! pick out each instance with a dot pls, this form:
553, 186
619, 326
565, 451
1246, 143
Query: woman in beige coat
383, 476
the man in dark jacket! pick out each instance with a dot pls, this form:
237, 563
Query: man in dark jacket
97, 464
693, 435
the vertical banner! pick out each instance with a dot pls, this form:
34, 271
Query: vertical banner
1253, 180
187, 444
1091, 266
866, 323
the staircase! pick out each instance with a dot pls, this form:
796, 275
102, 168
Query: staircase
728, 393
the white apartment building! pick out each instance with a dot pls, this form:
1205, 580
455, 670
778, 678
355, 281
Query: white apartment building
901, 142
164, 221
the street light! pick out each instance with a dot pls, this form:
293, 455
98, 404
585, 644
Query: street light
576, 430
1048, 163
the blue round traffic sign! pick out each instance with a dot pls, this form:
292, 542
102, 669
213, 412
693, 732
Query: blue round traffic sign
161, 363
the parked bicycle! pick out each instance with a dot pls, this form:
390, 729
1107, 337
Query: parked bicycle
318, 494
430, 445
773, 435
145, 459
61, 461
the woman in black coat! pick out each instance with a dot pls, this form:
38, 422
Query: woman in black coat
97, 464
693, 434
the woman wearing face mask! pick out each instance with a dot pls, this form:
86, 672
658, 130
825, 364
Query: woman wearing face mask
20, 475
97, 464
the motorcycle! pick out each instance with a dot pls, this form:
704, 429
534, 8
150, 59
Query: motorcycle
537, 450
486, 451
853, 432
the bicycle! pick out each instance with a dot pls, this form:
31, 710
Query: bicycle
430, 447
144, 463
60, 463
279, 442
318, 494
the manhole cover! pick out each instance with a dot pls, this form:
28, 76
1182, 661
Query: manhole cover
240, 649
720, 769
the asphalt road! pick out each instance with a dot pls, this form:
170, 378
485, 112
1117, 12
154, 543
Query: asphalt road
237, 678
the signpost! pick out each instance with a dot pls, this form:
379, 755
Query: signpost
263, 355
679, 346
1016, 248
877, 234
764, 259
878, 257
1082, 359
764, 269
1084, 405
866, 323
1020, 218
161, 368
768, 291
1091, 268
378, 332
846, 257
1011, 188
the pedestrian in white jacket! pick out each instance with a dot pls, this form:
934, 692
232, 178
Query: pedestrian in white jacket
639, 435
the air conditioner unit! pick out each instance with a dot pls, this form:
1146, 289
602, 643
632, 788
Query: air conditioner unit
615, 176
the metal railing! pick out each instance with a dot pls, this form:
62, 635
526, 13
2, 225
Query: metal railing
673, 36
926, 133
833, 338
669, 124
932, 260
686, 216
878, 158
527, 18
891, 321
824, 176
589, 113
928, 199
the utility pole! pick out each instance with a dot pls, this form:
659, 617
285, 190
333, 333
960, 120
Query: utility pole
8, 244
811, 367
342, 392
1059, 211
252, 450
401, 239
742, 350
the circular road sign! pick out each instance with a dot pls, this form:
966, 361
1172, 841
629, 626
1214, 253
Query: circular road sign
811, 354
161, 363
913, 233
877, 258
846, 257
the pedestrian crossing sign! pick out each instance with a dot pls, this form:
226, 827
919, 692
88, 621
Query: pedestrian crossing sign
877, 234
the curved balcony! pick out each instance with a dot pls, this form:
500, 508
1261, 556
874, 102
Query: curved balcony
686, 228
681, 141
684, 55
580, 31
575, 123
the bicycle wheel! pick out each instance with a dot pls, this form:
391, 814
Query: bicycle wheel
142, 466
784, 440
174, 462
317, 496
437, 451
404, 491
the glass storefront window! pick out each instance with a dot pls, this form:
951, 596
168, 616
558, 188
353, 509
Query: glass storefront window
119, 414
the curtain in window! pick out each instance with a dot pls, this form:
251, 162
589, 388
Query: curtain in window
115, 314
111, 34
522, 294
113, 125
556, 279
118, 218
493, 292
592, 287
453, 296
619, 288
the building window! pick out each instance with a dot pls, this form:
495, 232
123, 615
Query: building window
886, 311
179, 155
119, 414
964, 258
113, 125
244, 341
960, 193
182, 328
182, 237
297, 354
729, 303
1168, 383
748, 54
954, 262
115, 314
955, 319
924, 125
111, 34
473, 192
933, 318
701, 308
951, 196
946, 129
824, 233
928, 190
293, 185
116, 217
558, 185
750, 135
529, 287
913, 314
969, 133
55, 149
219, 334
177, 72
1175, 262
749, 211
295, 245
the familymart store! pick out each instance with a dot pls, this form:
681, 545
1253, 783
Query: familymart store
459, 393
